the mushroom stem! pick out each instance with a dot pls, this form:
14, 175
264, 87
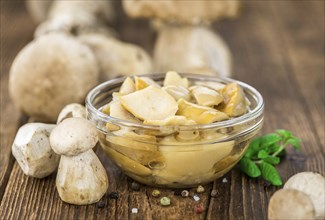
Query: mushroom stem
81, 179
194, 49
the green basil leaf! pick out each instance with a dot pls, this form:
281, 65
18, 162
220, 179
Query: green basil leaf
253, 148
269, 139
285, 134
295, 142
262, 154
270, 174
272, 160
249, 167
273, 148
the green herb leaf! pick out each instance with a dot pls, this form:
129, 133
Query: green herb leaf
262, 154
253, 148
270, 173
295, 142
272, 160
249, 167
269, 139
285, 134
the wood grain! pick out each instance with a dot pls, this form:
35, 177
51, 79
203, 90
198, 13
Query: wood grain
277, 46
14, 36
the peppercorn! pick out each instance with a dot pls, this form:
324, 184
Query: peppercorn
177, 192
155, 193
101, 204
198, 208
113, 195
200, 189
135, 186
185, 193
165, 201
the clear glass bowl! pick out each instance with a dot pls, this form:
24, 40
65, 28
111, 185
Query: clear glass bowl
174, 156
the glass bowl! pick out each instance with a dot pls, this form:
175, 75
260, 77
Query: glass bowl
174, 156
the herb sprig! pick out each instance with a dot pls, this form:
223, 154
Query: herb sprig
264, 153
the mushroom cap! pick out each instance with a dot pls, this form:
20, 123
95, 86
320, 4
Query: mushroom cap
175, 11
290, 204
116, 58
73, 136
313, 184
51, 72
73, 110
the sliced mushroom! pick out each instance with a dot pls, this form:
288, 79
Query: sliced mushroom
313, 184
73, 110
235, 103
212, 85
127, 86
290, 204
173, 78
173, 120
151, 103
178, 92
205, 96
33, 152
128, 164
200, 114
81, 177
117, 111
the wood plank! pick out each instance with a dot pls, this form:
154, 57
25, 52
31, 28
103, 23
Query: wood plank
15, 33
260, 59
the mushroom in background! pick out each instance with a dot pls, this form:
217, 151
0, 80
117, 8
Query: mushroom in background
302, 197
51, 72
185, 43
87, 21
116, 58
73, 110
73, 16
38, 10
312, 184
81, 178
33, 152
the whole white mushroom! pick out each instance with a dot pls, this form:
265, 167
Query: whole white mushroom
51, 72
81, 178
73, 110
32, 150
312, 184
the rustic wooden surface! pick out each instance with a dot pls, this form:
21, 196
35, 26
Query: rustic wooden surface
278, 47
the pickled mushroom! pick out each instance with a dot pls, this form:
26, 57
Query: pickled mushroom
200, 114
173, 78
152, 104
178, 92
235, 103
205, 96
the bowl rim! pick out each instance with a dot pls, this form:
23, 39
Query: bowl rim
252, 114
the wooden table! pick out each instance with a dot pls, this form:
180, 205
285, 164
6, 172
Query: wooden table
277, 47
